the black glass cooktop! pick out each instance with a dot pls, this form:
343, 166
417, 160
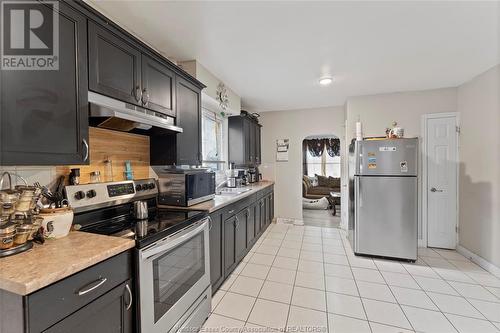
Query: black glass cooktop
161, 223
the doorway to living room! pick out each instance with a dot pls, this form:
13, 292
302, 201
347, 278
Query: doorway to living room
321, 166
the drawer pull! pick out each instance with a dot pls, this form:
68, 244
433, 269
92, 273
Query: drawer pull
231, 211
92, 286
130, 296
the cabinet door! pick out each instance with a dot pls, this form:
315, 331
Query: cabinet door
252, 141
189, 118
263, 214
240, 241
271, 207
246, 144
250, 225
258, 220
257, 145
267, 205
158, 86
112, 312
44, 113
114, 65
216, 250
229, 243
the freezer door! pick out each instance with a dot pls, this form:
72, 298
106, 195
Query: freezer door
386, 217
396, 157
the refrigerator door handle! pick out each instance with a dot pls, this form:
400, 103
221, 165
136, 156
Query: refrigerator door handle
356, 213
360, 197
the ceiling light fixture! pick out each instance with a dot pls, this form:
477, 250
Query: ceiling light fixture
325, 80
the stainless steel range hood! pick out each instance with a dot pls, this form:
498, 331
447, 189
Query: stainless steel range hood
125, 117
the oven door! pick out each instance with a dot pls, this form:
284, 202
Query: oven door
173, 273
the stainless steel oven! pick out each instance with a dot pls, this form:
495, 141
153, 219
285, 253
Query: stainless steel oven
174, 280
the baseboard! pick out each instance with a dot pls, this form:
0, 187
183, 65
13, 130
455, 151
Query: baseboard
479, 260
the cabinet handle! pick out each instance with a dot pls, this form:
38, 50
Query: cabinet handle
248, 212
129, 305
86, 145
210, 222
145, 97
237, 220
231, 211
92, 286
137, 93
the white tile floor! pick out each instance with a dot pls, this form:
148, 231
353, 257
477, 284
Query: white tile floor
306, 279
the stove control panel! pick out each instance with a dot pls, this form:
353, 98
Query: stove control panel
115, 190
92, 196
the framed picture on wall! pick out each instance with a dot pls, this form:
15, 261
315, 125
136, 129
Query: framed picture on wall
282, 147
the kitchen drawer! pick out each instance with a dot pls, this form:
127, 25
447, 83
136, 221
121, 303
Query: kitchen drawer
237, 207
55, 302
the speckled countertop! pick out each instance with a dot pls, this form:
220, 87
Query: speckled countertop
221, 201
57, 259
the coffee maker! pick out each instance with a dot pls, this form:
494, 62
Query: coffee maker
254, 175
242, 179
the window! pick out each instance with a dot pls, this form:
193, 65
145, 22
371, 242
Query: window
323, 165
212, 140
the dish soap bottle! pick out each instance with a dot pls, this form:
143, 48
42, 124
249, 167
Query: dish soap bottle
129, 174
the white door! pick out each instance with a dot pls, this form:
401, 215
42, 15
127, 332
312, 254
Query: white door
441, 182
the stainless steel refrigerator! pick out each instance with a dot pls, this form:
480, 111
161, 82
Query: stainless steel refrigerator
383, 198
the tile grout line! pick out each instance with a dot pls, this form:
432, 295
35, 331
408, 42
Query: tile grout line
260, 290
293, 287
427, 295
324, 264
357, 287
465, 299
395, 298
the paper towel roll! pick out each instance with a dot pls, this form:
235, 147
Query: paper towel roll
359, 131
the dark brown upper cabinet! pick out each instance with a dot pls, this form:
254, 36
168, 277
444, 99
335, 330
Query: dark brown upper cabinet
44, 113
189, 118
244, 141
114, 66
158, 86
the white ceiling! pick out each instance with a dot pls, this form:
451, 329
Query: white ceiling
273, 53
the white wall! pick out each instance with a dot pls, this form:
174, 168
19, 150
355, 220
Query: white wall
196, 69
377, 112
479, 107
294, 125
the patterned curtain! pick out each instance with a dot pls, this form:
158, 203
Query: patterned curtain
316, 147
332, 147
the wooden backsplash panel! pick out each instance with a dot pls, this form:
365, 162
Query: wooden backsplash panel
118, 147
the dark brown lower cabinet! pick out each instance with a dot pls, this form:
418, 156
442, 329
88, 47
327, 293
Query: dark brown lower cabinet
258, 218
251, 225
112, 312
234, 230
229, 245
97, 299
240, 238
216, 249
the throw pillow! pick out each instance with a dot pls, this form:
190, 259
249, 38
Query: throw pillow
334, 182
306, 180
323, 181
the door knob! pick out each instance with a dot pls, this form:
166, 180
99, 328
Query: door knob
435, 190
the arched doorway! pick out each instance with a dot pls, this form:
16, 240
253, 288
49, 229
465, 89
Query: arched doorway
321, 180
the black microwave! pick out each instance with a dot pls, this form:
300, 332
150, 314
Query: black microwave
186, 187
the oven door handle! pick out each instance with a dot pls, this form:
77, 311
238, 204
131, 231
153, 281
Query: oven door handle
171, 242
